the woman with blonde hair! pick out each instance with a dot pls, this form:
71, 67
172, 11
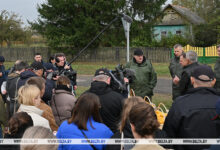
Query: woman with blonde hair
29, 98
38, 132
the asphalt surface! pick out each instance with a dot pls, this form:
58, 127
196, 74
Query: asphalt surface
163, 84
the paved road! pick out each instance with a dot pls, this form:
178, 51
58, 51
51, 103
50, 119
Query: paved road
163, 84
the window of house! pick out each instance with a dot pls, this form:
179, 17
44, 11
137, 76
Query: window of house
163, 33
178, 32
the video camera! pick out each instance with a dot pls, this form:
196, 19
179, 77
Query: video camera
71, 74
117, 78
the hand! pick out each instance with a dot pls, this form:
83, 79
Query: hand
126, 80
4, 92
56, 78
0, 74
66, 67
75, 87
176, 80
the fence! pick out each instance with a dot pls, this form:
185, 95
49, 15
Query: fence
105, 54
206, 54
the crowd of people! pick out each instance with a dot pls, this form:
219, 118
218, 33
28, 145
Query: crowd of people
39, 101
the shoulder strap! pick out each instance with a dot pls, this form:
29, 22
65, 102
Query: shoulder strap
88, 140
15, 96
122, 137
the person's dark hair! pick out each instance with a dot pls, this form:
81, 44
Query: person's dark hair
37, 81
183, 54
218, 46
59, 55
177, 45
63, 80
21, 65
87, 107
37, 54
144, 119
18, 123
51, 58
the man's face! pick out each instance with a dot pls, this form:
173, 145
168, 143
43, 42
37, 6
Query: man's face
183, 61
38, 58
218, 51
139, 59
1, 63
62, 60
178, 51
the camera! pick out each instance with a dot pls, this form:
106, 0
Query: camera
117, 79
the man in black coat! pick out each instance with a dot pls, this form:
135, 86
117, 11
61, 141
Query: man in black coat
111, 101
189, 61
191, 115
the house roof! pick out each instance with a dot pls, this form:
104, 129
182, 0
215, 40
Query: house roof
187, 14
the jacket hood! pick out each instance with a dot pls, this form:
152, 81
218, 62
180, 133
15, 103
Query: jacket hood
99, 87
13, 75
27, 74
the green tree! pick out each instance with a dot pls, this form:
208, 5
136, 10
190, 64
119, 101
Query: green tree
73, 23
10, 27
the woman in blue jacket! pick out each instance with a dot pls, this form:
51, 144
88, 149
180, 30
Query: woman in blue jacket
85, 123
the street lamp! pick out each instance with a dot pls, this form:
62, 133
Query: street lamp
126, 21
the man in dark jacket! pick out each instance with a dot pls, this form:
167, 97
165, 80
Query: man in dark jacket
111, 101
11, 86
191, 115
217, 70
176, 70
37, 70
145, 76
189, 61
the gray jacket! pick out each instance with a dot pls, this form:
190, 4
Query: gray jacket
62, 104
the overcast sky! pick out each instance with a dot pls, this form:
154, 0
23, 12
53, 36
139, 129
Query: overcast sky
26, 9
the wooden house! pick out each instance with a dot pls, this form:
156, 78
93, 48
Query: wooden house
176, 20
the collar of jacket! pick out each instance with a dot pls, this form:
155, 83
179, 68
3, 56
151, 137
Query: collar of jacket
63, 88
139, 64
188, 66
202, 90
177, 59
30, 109
99, 87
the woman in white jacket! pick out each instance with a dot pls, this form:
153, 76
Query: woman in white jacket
29, 98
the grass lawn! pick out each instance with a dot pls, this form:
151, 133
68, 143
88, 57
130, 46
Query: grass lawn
88, 68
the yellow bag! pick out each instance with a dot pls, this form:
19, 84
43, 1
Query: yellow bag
159, 111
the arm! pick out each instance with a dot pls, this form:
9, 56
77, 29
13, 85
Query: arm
184, 81
172, 122
153, 80
172, 68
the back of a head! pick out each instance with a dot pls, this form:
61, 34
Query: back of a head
192, 56
144, 119
37, 81
87, 106
21, 65
38, 132
18, 123
27, 93
102, 74
128, 104
63, 80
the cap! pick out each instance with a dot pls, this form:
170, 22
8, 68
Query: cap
203, 70
48, 66
2, 59
37, 65
102, 71
138, 52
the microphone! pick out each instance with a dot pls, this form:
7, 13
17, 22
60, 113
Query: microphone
126, 18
